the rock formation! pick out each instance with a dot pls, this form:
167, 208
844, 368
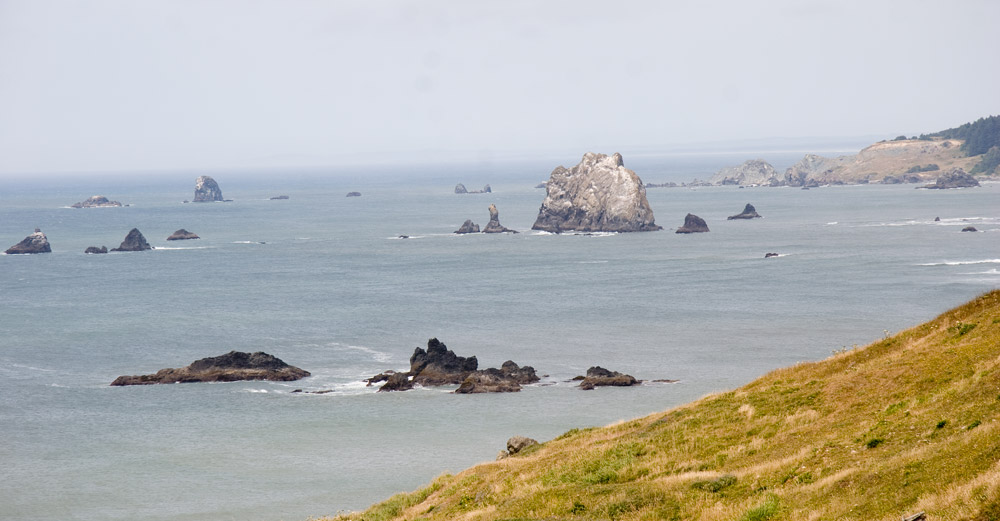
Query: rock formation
770, 254
206, 190
749, 212
230, 367
598, 376
34, 243
460, 189
970, 229
509, 378
353, 194
956, 178
96, 201
515, 445
283, 197
95, 250
597, 195
439, 365
755, 172
693, 224
134, 241
468, 227
182, 235
494, 225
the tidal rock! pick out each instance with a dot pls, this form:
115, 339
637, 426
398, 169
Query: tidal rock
937, 219
755, 172
397, 382
956, 178
207, 190
282, 197
769, 255
34, 243
597, 195
693, 224
468, 227
599, 377
970, 229
230, 367
182, 235
93, 250
460, 189
494, 225
96, 201
749, 212
509, 378
439, 365
353, 194
134, 241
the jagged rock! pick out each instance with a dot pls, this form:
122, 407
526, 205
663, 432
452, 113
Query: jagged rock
494, 225
487, 189
522, 375
693, 224
439, 365
597, 195
397, 382
353, 194
508, 378
460, 189
96, 201
956, 178
937, 219
207, 190
468, 227
769, 255
34, 243
753, 172
95, 250
134, 241
284, 197
182, 235
230, 367
598, 376
970, 229
749, 212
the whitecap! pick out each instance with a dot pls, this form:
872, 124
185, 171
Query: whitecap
832, 223
961, 263
593, 262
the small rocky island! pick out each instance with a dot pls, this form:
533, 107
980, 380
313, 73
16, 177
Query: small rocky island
207, 190
97, 201
182, 235
468, 227
598, 376
460, 189
494, 225
134, 241
35, 243
353, 194
749, 212
597, 195
956, 178
94, 250
693, 224
231, 367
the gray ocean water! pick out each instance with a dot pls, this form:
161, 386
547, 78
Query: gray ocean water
325, 283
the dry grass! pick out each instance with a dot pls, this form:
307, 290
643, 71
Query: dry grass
903, 425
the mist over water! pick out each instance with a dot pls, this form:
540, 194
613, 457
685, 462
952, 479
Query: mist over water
325, 283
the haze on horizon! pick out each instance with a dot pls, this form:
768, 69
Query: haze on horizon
114, 85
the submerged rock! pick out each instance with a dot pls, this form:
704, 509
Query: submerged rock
182, 235
970, 229
749, 212
207, 190
468, 227
35, 243
96, 201
231, 367
598, 376
769, 255
597, 195
134, 241
282, 197
93, 250
693, 224
494, 225
353, 194
956, 178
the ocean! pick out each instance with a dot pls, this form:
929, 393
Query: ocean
325, 283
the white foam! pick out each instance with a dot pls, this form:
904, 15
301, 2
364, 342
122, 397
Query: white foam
832, 223
961, 263
181, 247
593, 262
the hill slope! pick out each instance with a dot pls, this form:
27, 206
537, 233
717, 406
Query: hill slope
904, 425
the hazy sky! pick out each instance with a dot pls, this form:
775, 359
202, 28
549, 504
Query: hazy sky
162, 84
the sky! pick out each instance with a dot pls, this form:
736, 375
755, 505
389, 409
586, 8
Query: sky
123, 85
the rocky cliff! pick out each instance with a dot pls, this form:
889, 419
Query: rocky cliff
34, 243
881, 162
207, 190
597, 195
755, 172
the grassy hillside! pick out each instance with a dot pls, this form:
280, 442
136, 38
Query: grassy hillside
904, 425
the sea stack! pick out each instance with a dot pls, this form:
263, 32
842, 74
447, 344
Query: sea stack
182, 235
693, 224
134, 241
34, 243
97, 201
468, 227
207, 190
494, 225
749, 212
597, 195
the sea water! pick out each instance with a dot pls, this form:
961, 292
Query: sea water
326, 283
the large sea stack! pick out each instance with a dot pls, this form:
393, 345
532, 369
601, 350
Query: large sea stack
231, 367
693, 224
597, 195
749, 212
34, 243
494, 225
134, 241
207, 190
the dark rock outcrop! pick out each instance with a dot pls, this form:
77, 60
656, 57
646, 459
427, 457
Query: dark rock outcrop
231, 367
970, 229
397, 382
749, 212
956, 178
460, 189
206, 190
353, 194
34, 243
95, 250
468, 227
96, 201
693, 224
439, 365
494, 225
597, 195
182, 235
134, 241
769, 255
284, 197
509, 378
515, 445
600, 377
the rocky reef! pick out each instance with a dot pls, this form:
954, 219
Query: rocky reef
182, 235
597, 195
97, 201
94, 250
207, 190
231, 367
35, 243
956, 178
460, 189
134, 241
598, 376
468, 227
509, 378
693, 224
438, 365
755, 172
494, 225
749, 212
